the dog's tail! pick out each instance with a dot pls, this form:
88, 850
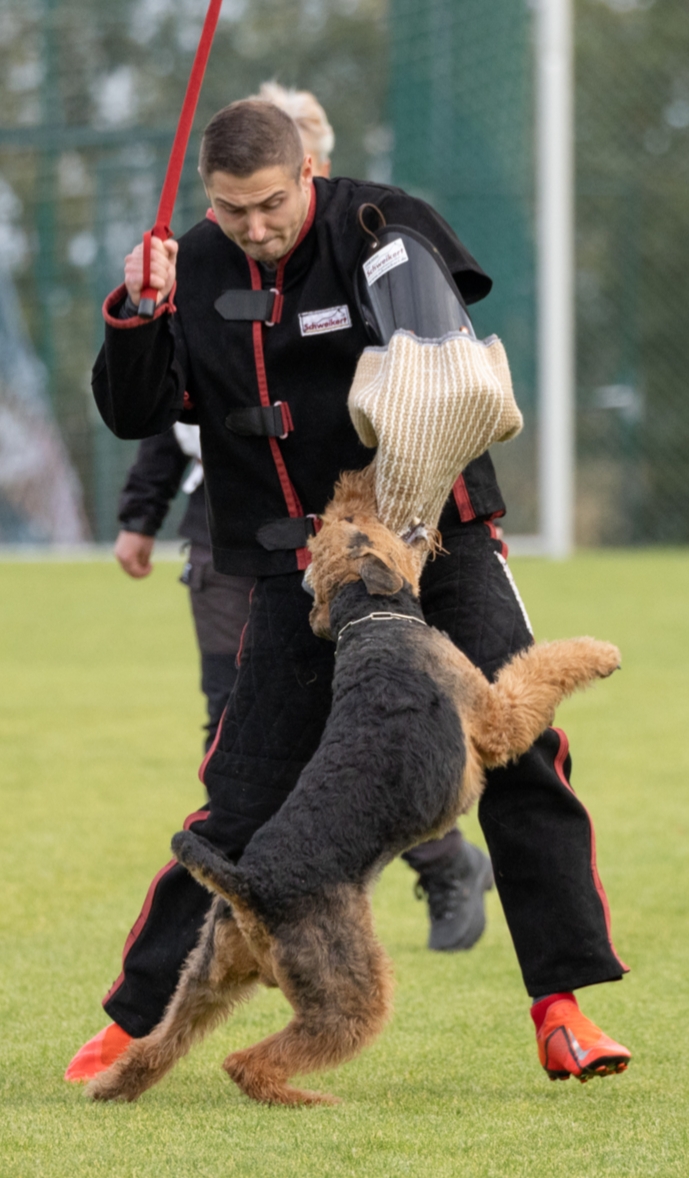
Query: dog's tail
209, 867
521, 703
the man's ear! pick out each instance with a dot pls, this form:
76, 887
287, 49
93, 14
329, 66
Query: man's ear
378, 578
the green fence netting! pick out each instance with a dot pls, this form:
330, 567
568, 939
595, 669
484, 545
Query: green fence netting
462, 109
436, 95
89, 94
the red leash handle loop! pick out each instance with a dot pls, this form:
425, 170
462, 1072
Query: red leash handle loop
147, 301
149, 297
146, 284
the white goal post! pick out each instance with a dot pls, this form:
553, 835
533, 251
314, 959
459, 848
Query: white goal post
555, 281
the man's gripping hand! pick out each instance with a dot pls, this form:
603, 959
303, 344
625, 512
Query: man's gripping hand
163, 269
133, 551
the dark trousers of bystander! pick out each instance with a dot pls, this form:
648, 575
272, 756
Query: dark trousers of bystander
220, 608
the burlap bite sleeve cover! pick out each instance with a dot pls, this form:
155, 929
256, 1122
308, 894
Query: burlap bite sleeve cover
430, 406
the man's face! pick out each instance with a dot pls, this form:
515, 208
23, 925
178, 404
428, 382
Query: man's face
262, 213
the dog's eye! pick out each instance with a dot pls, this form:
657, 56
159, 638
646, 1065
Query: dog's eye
349, 519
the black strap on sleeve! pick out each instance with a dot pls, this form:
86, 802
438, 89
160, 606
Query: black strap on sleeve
267, 421
286, 533
246, 304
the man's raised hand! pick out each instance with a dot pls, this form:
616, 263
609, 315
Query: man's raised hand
163, 269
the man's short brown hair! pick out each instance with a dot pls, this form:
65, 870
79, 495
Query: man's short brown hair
247, 136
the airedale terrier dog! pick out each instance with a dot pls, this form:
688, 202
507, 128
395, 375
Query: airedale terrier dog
413, 726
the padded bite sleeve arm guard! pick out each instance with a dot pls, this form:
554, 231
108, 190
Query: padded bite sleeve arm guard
139, 378
400, 209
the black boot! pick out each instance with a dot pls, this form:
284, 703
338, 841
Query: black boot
454, 887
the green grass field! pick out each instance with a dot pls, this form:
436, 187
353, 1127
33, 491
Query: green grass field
100, 746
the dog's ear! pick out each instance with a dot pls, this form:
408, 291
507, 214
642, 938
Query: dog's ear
378, 578
319, 620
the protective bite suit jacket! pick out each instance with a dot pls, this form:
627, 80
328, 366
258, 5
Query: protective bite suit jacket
214, 356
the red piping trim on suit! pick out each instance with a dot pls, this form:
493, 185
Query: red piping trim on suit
195, 817
559, 769
245, 627
141, 919
204, 764
489, 523
119, 295
463, 501
240, 649
291, 498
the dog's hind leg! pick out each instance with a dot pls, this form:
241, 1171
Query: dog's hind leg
220, 972
529, 688
338, 979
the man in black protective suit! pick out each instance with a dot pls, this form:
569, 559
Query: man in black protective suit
257, 334
453, 874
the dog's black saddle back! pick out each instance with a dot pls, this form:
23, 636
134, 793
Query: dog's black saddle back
386, 774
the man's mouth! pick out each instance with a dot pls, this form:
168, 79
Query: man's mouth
258, 249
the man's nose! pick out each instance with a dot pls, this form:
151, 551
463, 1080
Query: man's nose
257, 229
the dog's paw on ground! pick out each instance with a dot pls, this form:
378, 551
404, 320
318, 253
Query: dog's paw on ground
109, 1088
264, 1085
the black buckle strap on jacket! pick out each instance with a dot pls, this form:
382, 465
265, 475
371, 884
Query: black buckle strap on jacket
291, 532
267, 421
262, 305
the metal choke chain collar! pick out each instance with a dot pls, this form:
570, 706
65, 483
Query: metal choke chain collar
381, 616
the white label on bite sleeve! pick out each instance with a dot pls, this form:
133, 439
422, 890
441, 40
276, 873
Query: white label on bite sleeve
386, 259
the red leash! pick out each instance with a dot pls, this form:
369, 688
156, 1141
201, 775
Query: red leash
162, 229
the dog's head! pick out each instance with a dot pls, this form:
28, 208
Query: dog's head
353, 545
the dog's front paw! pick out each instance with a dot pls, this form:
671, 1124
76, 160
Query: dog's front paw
139, 1068
114, 1085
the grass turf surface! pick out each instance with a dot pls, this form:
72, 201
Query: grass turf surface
100, 738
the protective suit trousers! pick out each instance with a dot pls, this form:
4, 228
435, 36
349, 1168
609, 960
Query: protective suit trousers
539, 835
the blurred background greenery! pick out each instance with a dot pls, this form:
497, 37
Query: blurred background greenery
435, 95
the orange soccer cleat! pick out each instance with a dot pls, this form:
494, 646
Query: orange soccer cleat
569, 1044
97, 1055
